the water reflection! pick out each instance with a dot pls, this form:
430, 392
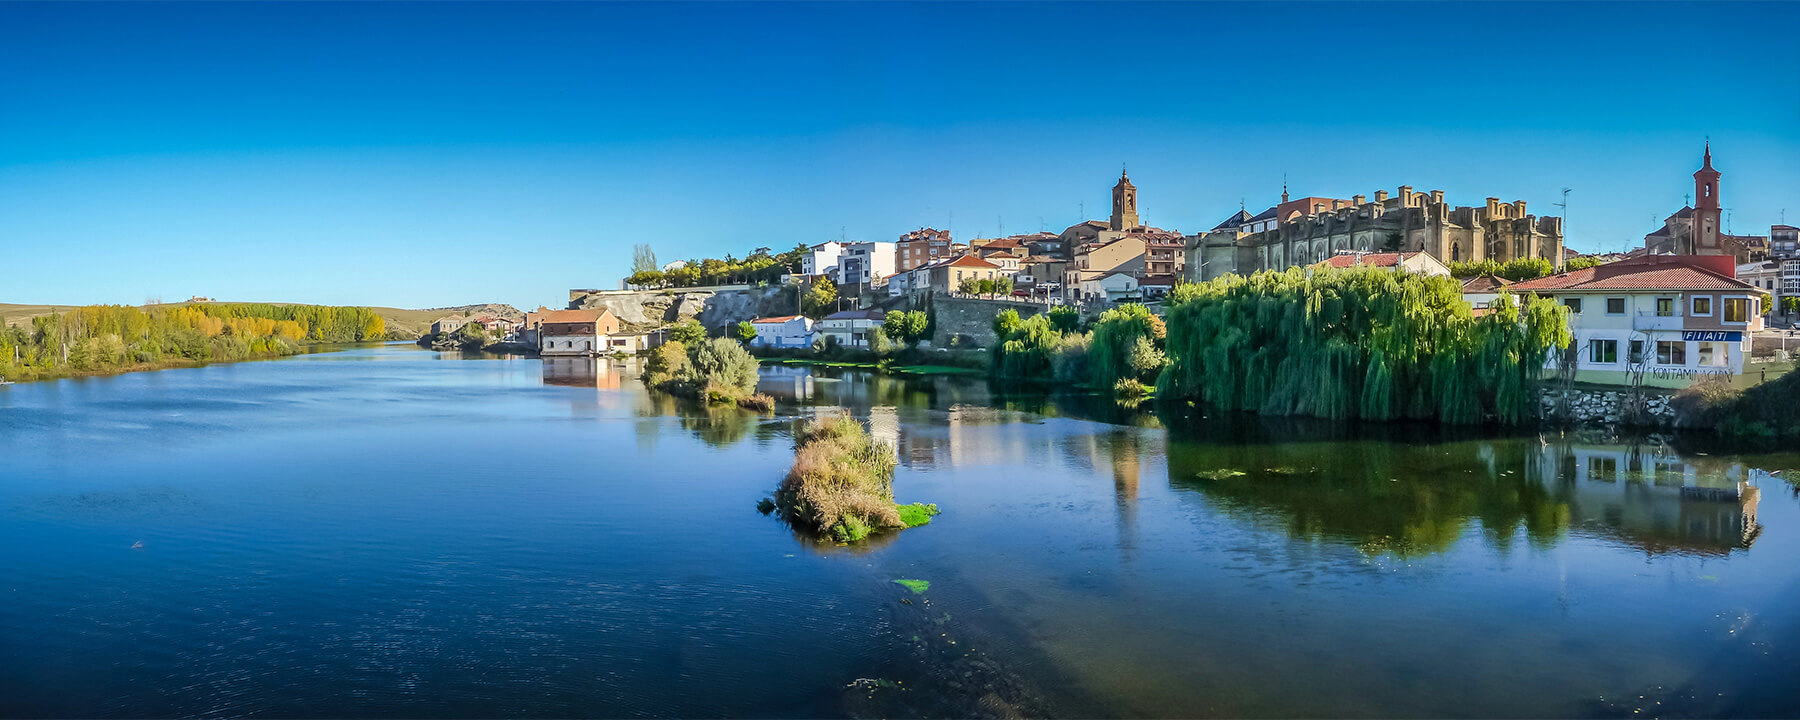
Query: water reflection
1413, 499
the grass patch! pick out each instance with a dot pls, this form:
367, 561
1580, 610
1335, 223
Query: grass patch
917, 586
1220, 474
916, 514
841, 486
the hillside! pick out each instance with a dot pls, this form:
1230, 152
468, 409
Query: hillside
412, 323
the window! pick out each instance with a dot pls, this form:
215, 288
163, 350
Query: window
1671, 352
1714, 354
1574, 305
1703, 305
1603, 352
1737, 310
1615, 306
1637, 352
1665, 307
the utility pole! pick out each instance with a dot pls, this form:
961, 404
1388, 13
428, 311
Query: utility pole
1565, 224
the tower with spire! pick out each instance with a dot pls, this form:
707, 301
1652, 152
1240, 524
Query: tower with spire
1124, 209
1706, 207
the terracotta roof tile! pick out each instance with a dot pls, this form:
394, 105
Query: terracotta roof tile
778, 319
1656, 272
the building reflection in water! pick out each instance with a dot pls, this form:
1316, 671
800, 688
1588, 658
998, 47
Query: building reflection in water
1653, 499
582, 372
1421, 499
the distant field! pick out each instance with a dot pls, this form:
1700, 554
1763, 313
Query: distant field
411, 322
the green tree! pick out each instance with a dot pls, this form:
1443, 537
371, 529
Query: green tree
970, 286
745, 331
1065, 318
1357, 343
1791, 305
906, 326
646, 278
1116, 333
643, 259
820, 299
1005, 323
1582, 262
1003, 285
688, 331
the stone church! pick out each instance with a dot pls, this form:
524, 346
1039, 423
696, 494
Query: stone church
1313, 229
1695, 229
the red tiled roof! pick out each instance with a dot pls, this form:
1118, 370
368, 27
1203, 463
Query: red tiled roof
970, 261
570, 316
1368, 259
781, 319
1655, 272
1484, 284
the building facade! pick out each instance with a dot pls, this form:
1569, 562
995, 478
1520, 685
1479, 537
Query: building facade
786, 331
923, 247
851, 328
572, 332
1314, 229
1660, 320
865, 263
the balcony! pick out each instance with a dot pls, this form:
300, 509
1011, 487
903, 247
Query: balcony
1650, 320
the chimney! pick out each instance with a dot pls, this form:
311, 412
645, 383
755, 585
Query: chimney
1437, 196
1519, 208
1336, 204
1493, 206
1380, 196
1357, 200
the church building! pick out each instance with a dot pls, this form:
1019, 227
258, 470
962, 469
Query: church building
1312, 229
1695, 229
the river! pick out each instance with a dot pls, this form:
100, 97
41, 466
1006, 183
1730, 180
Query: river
396, 531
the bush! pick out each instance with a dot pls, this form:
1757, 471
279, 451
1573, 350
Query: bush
723, 364
688, 331
841, 484
667, 362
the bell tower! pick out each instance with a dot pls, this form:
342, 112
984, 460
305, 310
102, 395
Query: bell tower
1706, 206
1124, 214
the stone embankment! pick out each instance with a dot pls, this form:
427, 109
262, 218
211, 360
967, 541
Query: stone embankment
1597, 406
715, 307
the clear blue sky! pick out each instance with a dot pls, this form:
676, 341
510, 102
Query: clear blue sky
436, 154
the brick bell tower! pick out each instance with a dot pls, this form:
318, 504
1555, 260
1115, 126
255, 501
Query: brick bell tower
1706, 207
1124, 214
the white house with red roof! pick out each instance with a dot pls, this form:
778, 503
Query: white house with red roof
786, 331
1669, 317
1414, 262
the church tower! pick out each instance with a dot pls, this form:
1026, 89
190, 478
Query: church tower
1706, 207
1124, 214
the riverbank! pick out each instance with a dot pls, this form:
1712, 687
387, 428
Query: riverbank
874, 366
186, 363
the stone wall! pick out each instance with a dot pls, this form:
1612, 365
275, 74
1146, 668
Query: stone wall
971, 321
1599, 406
716, 308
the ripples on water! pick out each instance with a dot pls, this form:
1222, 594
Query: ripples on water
393, 531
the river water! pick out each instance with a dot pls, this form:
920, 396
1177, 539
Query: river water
395, 531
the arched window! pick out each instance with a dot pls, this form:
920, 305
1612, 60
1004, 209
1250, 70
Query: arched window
1455, 252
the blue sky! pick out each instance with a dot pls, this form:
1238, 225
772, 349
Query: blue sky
434, 154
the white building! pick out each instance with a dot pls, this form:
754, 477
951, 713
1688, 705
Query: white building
1111, 288
1669, 317
822, 259
862, 263
787, 331
851, 328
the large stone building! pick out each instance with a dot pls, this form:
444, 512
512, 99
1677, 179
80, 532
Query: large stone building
923, 247
1311, 229
1695, 229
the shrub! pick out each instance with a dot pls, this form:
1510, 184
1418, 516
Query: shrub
841, 483
1065, 318
724, 365
667, 362
688, 331
745, 331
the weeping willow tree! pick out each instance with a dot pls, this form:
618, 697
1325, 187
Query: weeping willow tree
1359, 343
